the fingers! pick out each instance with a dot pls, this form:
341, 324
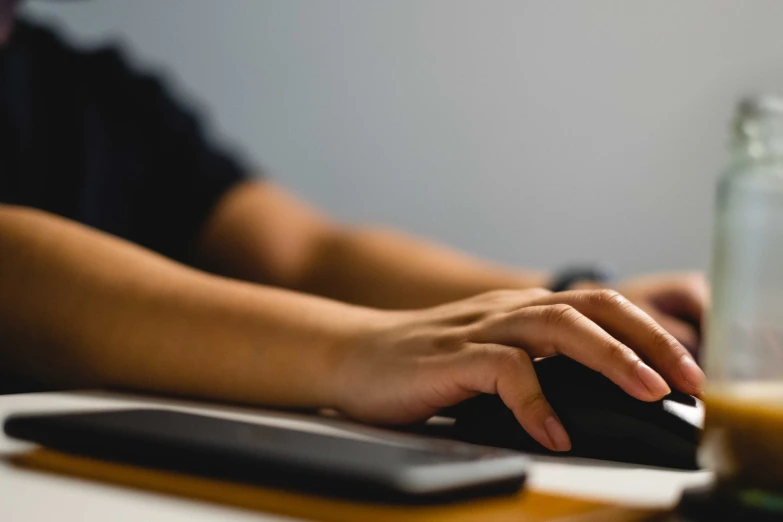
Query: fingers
685, 333
488, 303
635, 328
507, 371
687, 298
548, 329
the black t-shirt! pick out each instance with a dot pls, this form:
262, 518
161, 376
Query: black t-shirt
85, 137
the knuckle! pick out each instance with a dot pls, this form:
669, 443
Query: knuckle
532, 399
607, 296
612, 296
663, 342
617, 351
561, 315
621, 303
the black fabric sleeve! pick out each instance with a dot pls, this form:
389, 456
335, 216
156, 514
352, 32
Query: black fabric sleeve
172, 175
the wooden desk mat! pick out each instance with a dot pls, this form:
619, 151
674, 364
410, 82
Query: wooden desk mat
525, 506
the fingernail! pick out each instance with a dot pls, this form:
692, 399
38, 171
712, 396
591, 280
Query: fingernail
652, 381
557, 434
692, 374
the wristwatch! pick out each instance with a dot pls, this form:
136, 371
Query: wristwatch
566, 278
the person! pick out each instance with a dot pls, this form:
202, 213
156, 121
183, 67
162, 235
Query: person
137, 254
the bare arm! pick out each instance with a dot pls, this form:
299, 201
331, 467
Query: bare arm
261, 233
81, 308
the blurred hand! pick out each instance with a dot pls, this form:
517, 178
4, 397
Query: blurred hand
406, 366
677, 301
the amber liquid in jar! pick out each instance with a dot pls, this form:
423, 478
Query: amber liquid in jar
743, 436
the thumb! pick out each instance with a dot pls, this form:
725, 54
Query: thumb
508, 372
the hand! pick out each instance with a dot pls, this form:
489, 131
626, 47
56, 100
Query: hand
676, 301
407, 366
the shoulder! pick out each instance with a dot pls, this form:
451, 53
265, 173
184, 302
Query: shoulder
105, 75
51, 52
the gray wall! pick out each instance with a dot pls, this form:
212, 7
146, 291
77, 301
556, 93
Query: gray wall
531, 132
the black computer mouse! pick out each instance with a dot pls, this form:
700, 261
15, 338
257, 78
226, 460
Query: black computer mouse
602, 420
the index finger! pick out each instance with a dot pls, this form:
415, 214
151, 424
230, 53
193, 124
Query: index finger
637, 330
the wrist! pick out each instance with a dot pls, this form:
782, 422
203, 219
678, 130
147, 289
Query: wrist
350, 356
278, 347
354, 333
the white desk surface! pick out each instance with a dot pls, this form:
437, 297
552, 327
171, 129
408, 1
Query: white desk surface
31, 496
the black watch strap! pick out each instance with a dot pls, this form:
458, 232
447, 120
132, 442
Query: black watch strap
568, 277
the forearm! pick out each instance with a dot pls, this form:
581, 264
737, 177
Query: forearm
261, 233
81, 308
387, 269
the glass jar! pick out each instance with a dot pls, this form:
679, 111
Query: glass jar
743, 439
